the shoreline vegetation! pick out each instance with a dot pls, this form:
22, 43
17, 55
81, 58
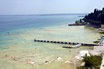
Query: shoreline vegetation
94, 19
91, 62
78, 23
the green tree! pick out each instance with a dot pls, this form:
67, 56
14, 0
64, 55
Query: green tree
92, 61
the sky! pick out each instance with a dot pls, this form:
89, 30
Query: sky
8, 7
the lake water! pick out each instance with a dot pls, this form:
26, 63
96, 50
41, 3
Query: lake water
17, 46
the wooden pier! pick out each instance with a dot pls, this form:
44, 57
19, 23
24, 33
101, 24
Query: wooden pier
76, 24
63, 42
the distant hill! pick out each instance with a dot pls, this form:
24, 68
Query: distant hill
95, 18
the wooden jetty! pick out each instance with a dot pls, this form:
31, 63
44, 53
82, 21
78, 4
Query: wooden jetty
76, 24
62, 42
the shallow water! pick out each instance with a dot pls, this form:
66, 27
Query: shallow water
24, 48
17, 47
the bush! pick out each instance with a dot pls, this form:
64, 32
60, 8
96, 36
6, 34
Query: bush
93, 61
101, 32
95, 41
97, 67
99, 39
77, 22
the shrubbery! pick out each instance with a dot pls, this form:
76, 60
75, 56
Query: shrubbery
92, 61
96, 18
95, 41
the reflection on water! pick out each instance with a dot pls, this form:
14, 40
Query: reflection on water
19, 51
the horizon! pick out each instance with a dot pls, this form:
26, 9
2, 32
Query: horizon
27, 7
49, 14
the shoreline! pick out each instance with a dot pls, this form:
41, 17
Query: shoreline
76, 24
97, 50
27, 35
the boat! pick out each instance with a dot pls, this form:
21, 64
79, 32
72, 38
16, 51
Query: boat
67, 46
76, 46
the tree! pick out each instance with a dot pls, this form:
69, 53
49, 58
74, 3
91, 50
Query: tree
95, 18
95, 10
103, 9
92, 61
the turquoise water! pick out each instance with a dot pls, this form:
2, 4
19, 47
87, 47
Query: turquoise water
17, 34
9, 24
36, 21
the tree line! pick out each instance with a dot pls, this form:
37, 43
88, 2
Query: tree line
95, 18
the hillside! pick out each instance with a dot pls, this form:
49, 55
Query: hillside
95, 18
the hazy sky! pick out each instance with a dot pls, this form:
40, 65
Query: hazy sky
49, 6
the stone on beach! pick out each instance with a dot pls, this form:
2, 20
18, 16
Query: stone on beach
30, 62
77, 57
14, 58
6, 55
82, 54
67, 62
59, 58
46, 62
